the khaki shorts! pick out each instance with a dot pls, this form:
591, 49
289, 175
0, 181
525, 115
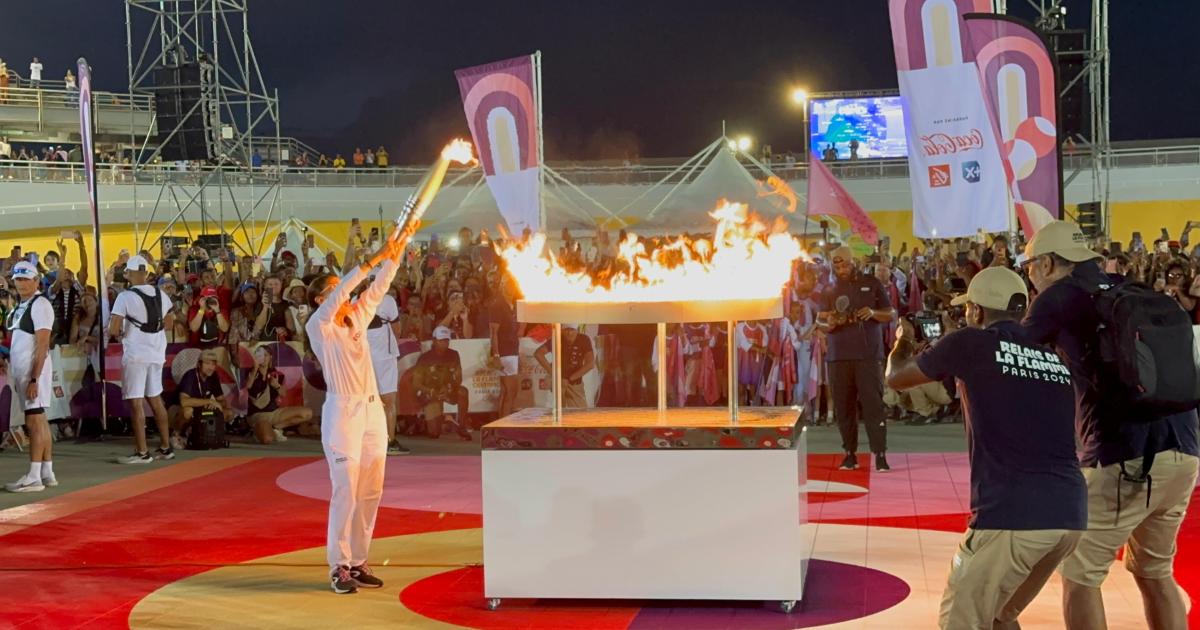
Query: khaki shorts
573, 396
1147, 532
996, 573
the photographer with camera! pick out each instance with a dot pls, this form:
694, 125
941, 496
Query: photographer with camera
202, 399
263, 387
1140, 462
1028, 498
928, 399
854, 311
207, 321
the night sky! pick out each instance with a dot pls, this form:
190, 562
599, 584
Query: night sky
620, 77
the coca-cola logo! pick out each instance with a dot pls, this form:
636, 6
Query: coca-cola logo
945, 144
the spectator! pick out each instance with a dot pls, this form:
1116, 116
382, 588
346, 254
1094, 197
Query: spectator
35, 73
437, 380
273, 323
298, 311
256, 160
207, 321
85, 327
3, 81
416, 323
381, 157
263, 386
579, 359
1176, 281
201, 395
29, 375
323, 162
139, 317
370, 158
246, 307
1112, 449
457, 319
358, 158
382, 334
339, 162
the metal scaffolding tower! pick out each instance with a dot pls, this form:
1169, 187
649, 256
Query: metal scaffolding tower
241, 114
1093, 145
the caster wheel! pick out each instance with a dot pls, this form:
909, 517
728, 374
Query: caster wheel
786, 607
493, 603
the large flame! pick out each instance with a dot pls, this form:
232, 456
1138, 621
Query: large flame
744, 260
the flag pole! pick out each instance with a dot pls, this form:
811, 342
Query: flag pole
537, 95
87, 122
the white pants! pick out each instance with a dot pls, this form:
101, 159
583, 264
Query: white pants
387, 374
354, 436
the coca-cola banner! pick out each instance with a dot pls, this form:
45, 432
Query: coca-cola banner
1019, 83
956, 172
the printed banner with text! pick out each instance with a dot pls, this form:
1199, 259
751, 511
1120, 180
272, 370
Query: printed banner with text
501, 102
955, 168
1019, 82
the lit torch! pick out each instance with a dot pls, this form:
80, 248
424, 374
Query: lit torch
410, 216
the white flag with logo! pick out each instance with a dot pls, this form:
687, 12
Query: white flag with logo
957, 178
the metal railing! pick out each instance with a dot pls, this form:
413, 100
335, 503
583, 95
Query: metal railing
578, 173
69, 99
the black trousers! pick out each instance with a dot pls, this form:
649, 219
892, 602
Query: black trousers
857, 390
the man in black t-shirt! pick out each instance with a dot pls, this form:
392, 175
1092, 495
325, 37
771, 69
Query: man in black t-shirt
1028, 497
853, 312
200, 389
1128, 506
579, 360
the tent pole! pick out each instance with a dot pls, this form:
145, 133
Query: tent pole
715, 146
699, 156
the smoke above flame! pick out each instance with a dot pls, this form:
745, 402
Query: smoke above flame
744, 259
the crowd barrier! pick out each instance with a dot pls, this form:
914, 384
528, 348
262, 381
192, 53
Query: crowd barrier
76, 395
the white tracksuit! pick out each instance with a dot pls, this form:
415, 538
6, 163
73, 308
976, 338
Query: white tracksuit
353, 428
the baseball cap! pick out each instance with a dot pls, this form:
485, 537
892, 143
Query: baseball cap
137, 263
843, 252
210, 354
25, 270
296, 283
441, 332
570, 326
208, 292
994, 288
1063, 238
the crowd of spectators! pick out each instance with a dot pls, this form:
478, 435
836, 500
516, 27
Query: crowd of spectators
220, 298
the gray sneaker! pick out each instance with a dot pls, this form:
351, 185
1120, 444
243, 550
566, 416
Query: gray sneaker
25, 484
136, 458
49, 481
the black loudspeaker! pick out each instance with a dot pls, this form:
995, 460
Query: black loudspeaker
1074, 110
178, 104
1091, 220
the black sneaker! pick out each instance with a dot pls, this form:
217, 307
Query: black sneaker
396, 448
881, 464
341, 581
165, 453
363, 577
850, 462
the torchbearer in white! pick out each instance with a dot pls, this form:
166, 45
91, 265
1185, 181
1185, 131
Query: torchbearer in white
353, 425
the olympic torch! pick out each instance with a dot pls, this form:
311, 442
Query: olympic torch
410, 216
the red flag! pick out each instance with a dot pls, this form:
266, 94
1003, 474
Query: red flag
826, 196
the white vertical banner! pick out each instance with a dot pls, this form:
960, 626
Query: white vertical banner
955, 170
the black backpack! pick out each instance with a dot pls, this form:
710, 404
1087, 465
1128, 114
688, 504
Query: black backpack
26, 323
1147, 349
154, 314
208, 431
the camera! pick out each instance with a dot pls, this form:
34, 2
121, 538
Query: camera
927, 325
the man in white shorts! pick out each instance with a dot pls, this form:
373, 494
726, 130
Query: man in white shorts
29, 372
140, 317
382, 333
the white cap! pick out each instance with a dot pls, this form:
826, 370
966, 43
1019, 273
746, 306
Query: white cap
441, 332
137, 263
25, 270
570, 326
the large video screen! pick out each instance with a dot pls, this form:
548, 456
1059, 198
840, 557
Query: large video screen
876, 123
